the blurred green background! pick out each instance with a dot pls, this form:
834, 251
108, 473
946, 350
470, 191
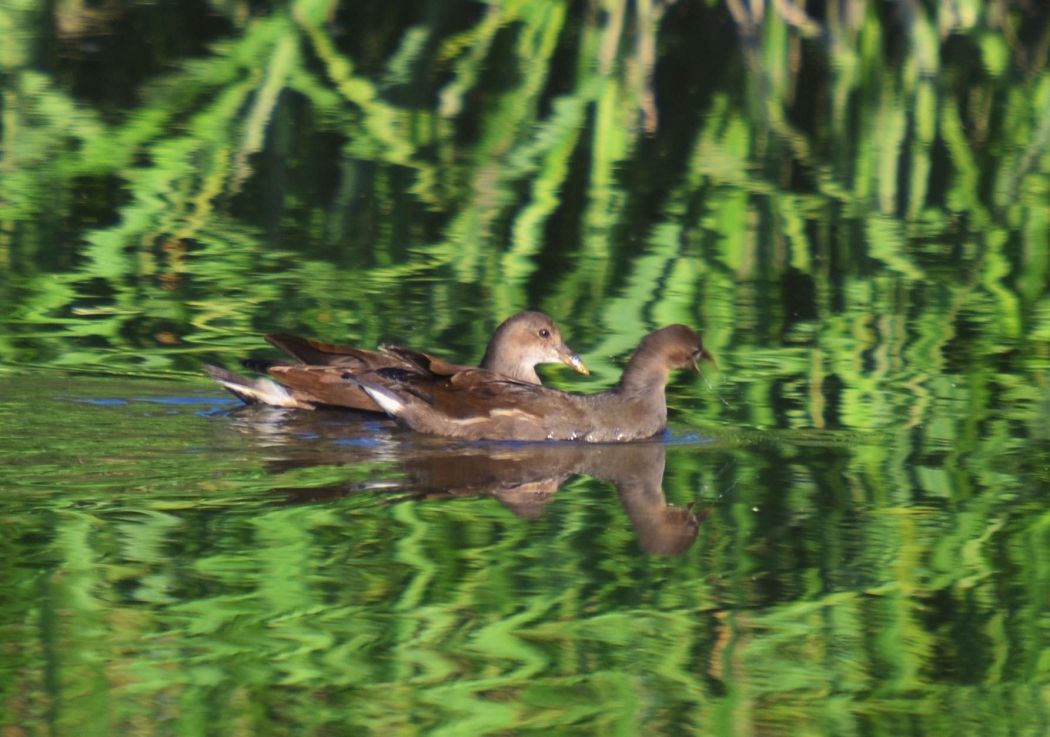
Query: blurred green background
850, 201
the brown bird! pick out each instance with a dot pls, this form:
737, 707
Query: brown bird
480, 405
520, 343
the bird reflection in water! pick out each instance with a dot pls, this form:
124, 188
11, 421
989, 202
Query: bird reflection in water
524, 477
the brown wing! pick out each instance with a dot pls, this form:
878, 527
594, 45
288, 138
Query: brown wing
320, 375
471, 392
323, 385
316, 353
425, 361
476, 403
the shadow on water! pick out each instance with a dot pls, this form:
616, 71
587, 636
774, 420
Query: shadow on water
523, 477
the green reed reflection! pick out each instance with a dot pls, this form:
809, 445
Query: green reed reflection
189, 158
851, 207
370, 610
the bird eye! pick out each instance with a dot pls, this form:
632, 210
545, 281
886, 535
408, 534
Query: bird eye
545, 333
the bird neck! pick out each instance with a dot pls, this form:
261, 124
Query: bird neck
521, 373
645, 374
501, 361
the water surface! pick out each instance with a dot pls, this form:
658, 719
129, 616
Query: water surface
178, 558
845, 530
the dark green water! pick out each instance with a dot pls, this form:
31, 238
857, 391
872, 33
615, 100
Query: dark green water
846, 530
174, 567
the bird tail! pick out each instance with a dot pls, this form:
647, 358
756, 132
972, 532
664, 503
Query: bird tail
254, 391
387, 399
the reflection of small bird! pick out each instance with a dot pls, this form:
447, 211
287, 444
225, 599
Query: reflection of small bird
519, 344
524, 477
478, 404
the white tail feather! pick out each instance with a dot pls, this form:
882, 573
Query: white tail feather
254, 391
386, 400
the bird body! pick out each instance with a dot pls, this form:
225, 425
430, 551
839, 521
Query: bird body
520, 343
477, 404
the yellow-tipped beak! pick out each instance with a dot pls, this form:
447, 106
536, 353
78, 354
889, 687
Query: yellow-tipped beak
574, 360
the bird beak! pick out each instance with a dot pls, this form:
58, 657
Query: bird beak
702, 355
571, 358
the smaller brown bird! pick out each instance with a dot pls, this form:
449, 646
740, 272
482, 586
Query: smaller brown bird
519, 344
481, 405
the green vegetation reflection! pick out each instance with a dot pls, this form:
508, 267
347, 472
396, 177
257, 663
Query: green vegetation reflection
853, 208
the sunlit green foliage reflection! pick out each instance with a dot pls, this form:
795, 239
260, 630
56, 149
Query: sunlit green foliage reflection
852, 204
